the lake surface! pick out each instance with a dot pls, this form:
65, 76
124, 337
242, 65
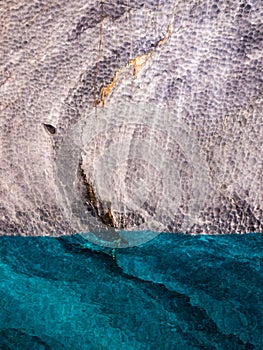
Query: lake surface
173, 292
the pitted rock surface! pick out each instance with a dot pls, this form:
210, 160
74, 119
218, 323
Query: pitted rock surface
135, 115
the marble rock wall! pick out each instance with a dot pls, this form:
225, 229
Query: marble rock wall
131, 115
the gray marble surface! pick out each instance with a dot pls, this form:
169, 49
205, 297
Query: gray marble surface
139, 115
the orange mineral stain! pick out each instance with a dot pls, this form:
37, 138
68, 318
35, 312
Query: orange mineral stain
106, 90
138, 63
167, 36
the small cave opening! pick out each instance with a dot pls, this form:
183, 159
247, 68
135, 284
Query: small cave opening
49, 128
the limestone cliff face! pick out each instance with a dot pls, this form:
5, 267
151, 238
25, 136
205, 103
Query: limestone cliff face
132, 115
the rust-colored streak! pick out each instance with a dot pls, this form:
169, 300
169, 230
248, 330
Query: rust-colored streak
108, 219
106, 90
138, 63
167, 36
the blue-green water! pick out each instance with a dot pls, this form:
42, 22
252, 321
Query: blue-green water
175, 292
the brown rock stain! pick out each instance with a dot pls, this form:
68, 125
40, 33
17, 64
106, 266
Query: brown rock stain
106, 90
167, 36
138, 63
94, 201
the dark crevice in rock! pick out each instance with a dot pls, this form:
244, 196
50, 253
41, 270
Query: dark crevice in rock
50, 128
94, 204
102, 210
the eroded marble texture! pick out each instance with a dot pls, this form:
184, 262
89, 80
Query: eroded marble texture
131, 115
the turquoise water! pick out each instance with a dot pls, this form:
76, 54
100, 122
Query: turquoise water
174, 292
